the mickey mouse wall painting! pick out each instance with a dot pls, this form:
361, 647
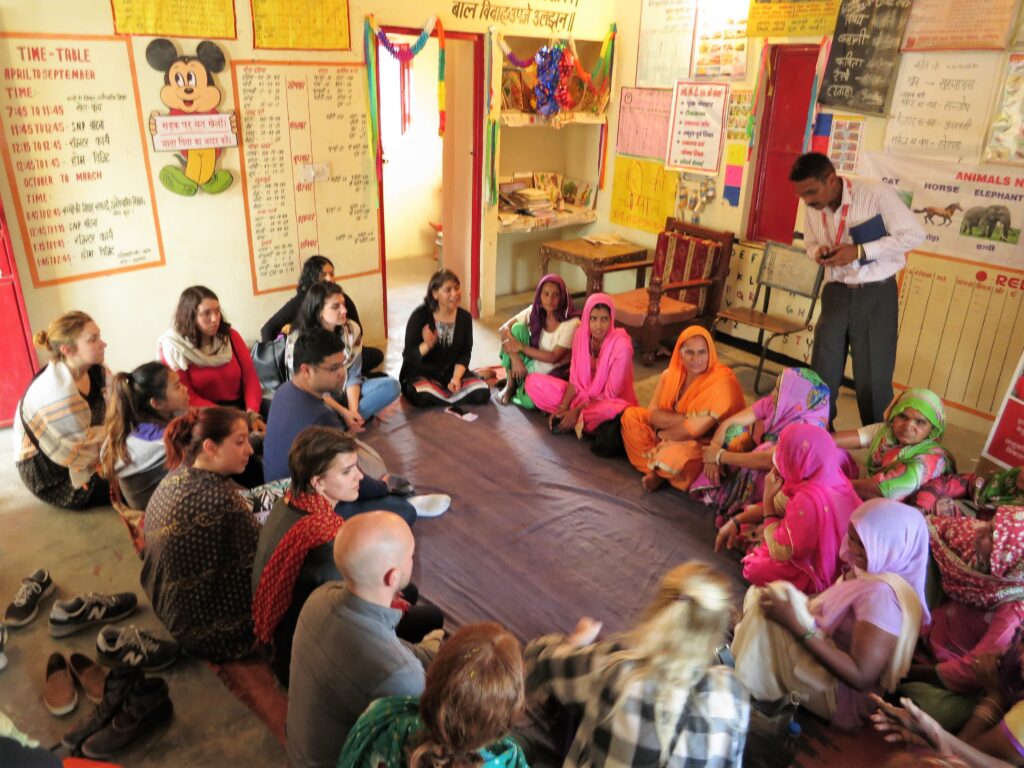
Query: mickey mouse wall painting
192, 127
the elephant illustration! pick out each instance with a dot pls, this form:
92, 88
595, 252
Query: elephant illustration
995, 224
971, 219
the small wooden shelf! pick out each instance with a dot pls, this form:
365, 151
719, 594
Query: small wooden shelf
530, 119
561, 219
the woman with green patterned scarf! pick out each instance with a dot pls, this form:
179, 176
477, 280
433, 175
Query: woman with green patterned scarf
473, 694
904, 451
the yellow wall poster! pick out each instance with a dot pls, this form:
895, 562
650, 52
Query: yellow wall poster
319, 25
643, 193
175, 18
792, 19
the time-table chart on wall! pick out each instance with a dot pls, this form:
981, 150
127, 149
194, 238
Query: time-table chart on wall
307, 171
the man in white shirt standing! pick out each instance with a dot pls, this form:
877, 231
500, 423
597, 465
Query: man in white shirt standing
861, 232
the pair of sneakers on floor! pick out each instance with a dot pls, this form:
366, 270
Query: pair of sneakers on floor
132, 706
129, 645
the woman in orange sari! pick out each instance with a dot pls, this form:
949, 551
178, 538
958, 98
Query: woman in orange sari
665, 439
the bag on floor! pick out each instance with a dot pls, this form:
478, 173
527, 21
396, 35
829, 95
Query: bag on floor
608, 439
268, 359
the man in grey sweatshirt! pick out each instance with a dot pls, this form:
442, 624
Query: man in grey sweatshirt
345, 652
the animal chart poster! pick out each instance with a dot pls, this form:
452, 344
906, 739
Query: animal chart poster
970, 212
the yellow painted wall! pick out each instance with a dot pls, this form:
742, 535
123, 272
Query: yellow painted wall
205, 237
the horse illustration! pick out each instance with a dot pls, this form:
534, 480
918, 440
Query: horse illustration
946, 214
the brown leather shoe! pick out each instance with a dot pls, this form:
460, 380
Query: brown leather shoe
59, 694
89, 675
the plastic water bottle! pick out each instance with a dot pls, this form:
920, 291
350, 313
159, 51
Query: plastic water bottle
791, 743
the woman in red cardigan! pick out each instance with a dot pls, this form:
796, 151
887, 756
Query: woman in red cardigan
210, 357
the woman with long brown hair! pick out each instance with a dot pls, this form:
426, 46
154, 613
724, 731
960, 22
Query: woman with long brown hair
473, 695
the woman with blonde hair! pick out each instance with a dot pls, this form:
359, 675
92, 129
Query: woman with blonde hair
473, 695
58, 425
651, 696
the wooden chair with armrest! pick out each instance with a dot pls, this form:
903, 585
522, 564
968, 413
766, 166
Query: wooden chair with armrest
688, 276
784, 268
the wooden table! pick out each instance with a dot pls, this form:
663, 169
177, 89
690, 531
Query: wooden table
595, 260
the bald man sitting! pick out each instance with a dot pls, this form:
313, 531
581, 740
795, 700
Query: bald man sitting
345, 653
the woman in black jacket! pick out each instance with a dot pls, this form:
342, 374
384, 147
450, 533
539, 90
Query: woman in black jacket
438, 346
315, 269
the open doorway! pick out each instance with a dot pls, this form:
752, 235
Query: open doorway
430, 191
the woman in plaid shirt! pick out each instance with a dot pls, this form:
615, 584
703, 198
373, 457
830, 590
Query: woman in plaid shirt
649, 696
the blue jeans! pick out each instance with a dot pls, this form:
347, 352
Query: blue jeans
376, 394
396, 504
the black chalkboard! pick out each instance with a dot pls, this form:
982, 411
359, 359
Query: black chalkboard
864, 59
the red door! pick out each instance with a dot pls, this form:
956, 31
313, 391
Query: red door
783, 123
17, 355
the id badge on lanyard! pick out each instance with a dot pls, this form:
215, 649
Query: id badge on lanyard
844, 212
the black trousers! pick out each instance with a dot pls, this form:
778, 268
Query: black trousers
864, 320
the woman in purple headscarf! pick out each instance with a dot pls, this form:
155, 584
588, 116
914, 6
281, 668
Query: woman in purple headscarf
538, 339
807, 505
855, 638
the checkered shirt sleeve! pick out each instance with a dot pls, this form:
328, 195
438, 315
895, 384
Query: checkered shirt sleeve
710, 733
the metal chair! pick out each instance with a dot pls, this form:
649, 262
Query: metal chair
785, 268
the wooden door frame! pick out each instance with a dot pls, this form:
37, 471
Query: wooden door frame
477, 39
762, 134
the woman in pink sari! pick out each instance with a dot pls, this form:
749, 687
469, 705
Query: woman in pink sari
600, 382
808, 502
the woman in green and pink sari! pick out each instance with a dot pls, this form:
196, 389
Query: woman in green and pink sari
904, 451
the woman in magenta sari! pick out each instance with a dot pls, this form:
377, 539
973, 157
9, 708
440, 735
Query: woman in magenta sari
600, 382
740, 453
808, 502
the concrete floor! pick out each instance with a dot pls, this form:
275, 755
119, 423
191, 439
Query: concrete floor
90, 551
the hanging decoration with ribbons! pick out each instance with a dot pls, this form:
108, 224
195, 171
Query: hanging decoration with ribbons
404, 54
563, 85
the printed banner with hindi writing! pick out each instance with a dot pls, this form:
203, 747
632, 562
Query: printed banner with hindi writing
558, 20
973, 212
76, 157
1006, 137
698, 126
864, 57
643, 193
318, 25
944, 25
207, 19
769, 18
940, 104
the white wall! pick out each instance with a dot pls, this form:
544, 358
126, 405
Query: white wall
412, 172
204, 237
